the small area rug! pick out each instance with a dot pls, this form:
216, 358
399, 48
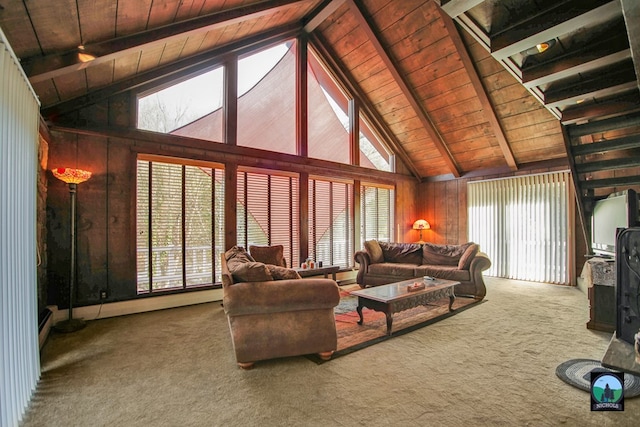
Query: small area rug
353, 337
577, 372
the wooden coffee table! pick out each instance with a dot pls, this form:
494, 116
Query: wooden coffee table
394, 297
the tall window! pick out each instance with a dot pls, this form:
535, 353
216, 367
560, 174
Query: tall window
377, 214
374, 153
190, 108
522, 224
268, 211
331, 222
267, 99
180, 224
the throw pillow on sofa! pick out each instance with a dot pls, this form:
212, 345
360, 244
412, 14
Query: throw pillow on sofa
404, 253
374, 250
273, 255
468, 256
434, 254
282, 273
244, 268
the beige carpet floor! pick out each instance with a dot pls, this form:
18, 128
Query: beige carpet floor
492, 365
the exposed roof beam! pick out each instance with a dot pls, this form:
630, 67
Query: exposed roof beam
611, 81
454, 8
172, 71
621, 105
576, 183
625, 143
321, 46
40, 68
487, 107
321, 13
366, 25
597, 55
624, 181
601, 126
631, 14
562, 18
626, 162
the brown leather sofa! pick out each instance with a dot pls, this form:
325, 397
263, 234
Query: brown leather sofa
382, 263
277, 317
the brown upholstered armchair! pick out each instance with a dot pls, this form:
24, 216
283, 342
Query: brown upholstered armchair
277, 318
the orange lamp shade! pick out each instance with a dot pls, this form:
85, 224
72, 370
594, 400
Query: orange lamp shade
71, 176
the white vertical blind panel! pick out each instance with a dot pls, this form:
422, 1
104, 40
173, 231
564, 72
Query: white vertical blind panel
19, 358
522, 224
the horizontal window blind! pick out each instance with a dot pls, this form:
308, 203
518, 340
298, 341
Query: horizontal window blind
268, 211
20, 355
331, 222
377, 213
180, 225
522, 224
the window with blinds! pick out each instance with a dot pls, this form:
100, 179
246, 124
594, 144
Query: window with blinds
376, 213
180, 225
268, 211
331, 222
523, 225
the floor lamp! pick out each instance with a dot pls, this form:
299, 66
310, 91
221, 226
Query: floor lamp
421, 224
73, 177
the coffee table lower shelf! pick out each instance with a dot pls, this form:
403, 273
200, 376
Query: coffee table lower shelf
394, 298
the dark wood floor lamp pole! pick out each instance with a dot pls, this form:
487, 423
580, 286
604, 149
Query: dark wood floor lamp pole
73, 177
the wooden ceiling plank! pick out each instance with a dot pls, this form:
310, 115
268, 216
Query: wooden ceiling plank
631, 14
454, 8
481, 92
322, 12
561, 19
366, 24
42, 68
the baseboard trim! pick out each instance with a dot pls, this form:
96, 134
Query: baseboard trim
123, 308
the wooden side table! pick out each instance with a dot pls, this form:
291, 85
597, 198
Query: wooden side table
325, 271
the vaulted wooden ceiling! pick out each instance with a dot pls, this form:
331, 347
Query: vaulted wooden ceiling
453, 84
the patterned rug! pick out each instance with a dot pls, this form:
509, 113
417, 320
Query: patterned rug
353, 337
577, 372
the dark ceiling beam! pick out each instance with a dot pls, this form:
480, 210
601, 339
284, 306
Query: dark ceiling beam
601, 126
604, 110
625, 143
562, 18
350, 86
576, 184
600, 54
366, 24
631, 14
454, 8
476, 82
322, 12
609, 82
39, 68
623, 181
176, 70
626, 162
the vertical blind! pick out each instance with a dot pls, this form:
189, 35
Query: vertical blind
268, 211
20, 356
523, 225
331, 222
180, 225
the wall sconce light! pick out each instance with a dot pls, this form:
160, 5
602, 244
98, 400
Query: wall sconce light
540, 47
73, 177
421, 224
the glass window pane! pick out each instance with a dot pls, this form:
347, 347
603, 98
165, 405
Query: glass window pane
267, 99
190, 108
373, 152
328, 115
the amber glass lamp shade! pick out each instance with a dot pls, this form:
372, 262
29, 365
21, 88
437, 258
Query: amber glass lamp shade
71, 176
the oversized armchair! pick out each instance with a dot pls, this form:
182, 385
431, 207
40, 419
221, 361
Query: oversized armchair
272, 313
